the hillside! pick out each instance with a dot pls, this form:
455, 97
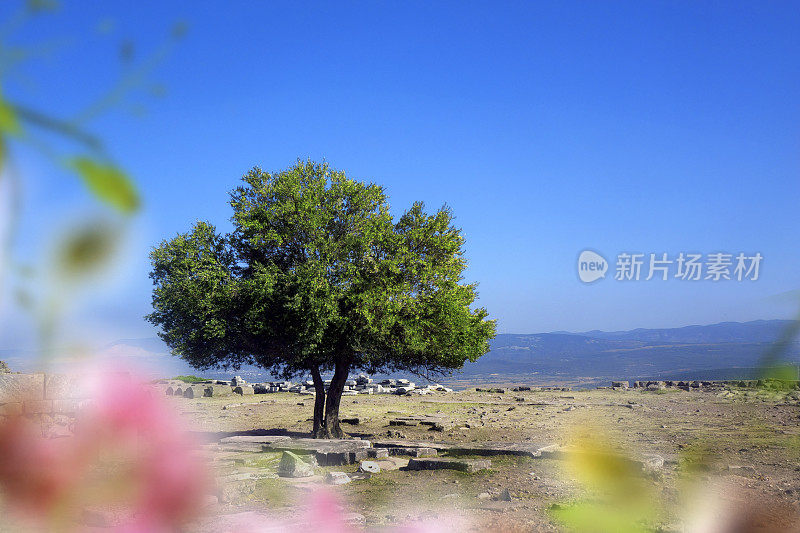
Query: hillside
728, 349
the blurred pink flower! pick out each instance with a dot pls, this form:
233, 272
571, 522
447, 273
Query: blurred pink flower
322, 513
35, 473
127, 451
325, 514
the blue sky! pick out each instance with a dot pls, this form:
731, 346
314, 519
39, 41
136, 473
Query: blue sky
548, 128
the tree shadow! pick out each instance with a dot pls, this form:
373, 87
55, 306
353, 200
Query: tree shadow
216, 436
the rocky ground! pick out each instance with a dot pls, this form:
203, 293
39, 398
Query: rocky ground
733, 454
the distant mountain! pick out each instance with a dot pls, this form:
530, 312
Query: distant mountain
150, 344
725, 349
747, 332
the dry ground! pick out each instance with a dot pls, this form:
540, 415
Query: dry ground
742, 446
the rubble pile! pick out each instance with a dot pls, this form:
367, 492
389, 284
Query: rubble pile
362, 384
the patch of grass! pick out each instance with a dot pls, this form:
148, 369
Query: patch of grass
266, 462
274, 491
380, 481
189, 379
375, 492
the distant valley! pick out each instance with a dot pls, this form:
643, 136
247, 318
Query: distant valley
728, 350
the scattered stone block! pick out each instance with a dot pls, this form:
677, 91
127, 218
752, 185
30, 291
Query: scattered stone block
413, 451
337, 478
357, 455
193, 392
353, 421
423, 452
403, 422
21, 387
410, 444
329, 452
441, 463
488, 449
244, 390
392, 463
370, 467
435, 423
217, 390
377, 453
293, 466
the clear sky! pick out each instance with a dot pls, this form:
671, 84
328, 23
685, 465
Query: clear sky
549, 128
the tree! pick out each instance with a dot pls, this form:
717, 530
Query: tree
317, 276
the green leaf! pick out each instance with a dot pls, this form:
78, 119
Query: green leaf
9, 125
86, 250
8, 119
107, 183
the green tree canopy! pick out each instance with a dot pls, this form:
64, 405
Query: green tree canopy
317, 276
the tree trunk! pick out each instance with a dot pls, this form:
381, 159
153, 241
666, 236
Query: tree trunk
334, 398
320, 431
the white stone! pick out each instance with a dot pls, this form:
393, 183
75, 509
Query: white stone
337, 478
371, 467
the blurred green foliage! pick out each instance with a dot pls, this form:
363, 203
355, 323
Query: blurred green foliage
64, 140
189, 379
85, 251
107, 183
620, 497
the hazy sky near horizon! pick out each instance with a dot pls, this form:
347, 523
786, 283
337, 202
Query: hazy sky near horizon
650, 127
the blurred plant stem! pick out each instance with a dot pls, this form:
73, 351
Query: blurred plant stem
66, 143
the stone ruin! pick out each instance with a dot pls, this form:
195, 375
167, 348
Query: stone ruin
524, 388
52, 399
362, 384
713, 385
